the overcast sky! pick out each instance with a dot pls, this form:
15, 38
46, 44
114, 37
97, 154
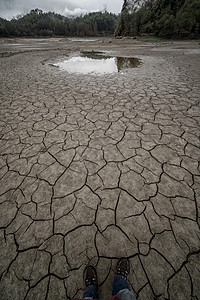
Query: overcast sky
11, 8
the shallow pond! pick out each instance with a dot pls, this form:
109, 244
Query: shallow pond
97, 63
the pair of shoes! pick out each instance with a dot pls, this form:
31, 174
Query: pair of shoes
90, 274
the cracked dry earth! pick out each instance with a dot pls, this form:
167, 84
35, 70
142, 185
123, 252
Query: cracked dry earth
98, 167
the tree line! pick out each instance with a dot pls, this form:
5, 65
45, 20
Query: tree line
39, 23
164, 18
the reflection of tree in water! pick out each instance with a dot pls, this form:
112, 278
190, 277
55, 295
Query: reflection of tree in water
126, 63
122, 63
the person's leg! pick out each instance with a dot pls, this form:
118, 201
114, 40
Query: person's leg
91, 293
120, 283
90, 279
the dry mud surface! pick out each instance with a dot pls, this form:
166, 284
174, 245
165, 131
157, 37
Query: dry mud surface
97, 167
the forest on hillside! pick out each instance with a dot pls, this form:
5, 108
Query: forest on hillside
39, 23
165, 18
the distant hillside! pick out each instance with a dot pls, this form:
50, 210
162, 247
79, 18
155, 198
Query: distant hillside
167, 18
39, 23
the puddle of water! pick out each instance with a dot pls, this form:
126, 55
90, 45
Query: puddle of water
12, 44
97, 63
82, 40
84, 65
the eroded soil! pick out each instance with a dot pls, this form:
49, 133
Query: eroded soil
97, 167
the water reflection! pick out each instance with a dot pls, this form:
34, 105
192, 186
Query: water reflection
84, 65
97, 63
127, 63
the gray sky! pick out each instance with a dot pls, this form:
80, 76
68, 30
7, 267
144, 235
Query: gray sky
11, 8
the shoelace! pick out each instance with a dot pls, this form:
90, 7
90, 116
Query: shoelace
123, 273
90, 281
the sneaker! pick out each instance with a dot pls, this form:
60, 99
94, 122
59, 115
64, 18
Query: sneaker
123, 267
90, 276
